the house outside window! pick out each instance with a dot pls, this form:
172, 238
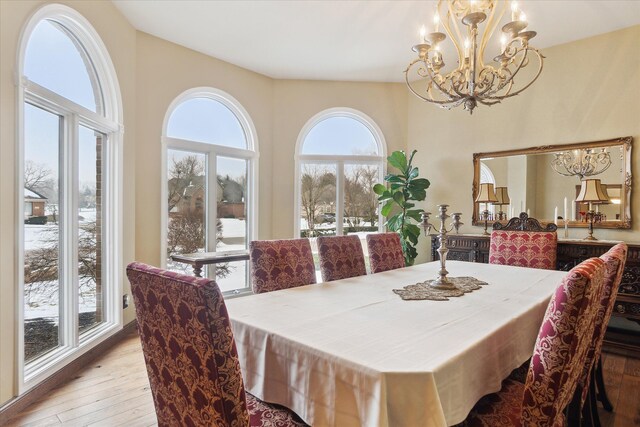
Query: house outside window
210, 193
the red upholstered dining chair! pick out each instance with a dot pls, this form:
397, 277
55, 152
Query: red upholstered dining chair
385, 252
523, 242
191, 356
615, 260
281, 264
558, 358
340, 257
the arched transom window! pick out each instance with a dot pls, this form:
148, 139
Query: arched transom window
211, 162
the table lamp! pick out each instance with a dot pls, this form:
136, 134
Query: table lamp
486, 195
591, 192
503, 199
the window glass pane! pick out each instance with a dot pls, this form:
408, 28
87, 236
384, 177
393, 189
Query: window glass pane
360, 202
208, 121
231, 276
187, 203
340, 136
41, 232
231, 204
90, 240
55, 59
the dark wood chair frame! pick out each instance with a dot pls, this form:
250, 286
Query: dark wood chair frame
524, 223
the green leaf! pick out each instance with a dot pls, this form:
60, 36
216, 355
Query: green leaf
415, 214
413, 173
399, 197
413, 153
420, 182
394, 178
386, 209
398, 160
379, 189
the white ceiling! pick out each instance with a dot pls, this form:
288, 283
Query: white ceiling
343, 40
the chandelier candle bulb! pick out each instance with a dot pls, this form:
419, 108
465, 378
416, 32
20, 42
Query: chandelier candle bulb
423, 33
436, 22
514, 10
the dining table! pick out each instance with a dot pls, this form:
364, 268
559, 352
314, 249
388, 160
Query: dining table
353, 353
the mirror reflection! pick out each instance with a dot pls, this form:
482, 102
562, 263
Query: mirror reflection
546, 183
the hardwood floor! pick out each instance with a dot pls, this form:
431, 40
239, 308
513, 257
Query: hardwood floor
114, 391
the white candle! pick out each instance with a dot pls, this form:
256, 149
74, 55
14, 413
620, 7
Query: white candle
565, 210
573, 210
555, 216
527, 212
597, 208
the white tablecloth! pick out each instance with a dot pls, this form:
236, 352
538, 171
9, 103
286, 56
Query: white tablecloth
352, 353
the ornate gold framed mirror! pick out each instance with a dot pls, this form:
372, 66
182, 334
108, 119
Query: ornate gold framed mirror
544, 182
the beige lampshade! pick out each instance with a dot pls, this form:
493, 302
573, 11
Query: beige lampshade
502, 195
486, 194
591, 191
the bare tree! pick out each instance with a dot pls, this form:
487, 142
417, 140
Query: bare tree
317, 183
36, 175
181, 174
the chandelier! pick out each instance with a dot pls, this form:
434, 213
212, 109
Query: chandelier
582, 163
472, 81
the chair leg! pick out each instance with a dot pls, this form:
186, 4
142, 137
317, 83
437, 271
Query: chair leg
592, 419
574, 412
602, 392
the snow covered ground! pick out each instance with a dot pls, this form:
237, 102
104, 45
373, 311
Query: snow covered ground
41, 298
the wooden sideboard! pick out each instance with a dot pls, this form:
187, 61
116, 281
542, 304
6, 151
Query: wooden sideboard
475, 248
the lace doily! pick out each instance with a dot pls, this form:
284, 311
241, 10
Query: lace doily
423, 290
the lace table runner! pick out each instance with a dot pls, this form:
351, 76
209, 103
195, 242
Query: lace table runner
422, 290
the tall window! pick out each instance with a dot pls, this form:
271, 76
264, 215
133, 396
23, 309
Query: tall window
69, 144
210, 191
340, 156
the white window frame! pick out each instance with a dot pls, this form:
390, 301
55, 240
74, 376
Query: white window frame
74, 115
338, 160
213, 151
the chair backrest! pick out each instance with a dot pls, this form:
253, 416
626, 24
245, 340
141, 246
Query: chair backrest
281, 264
562, 344
189, 350
340, 257
385, 252
615, 260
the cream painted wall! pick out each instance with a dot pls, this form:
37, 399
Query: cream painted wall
589, 90
164, 71
119, 38
297, 101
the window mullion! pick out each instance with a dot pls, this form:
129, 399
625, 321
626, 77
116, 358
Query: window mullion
339, 197
68, 232
212, 200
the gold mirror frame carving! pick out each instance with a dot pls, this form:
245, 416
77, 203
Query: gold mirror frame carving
625, 142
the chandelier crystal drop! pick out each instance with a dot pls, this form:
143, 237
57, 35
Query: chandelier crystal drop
469, 24
581, 163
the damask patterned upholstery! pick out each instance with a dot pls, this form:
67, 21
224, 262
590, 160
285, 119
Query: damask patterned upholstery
535, 249
385, 252
190, 353
558, 358
340, 257
615, 260
281, 264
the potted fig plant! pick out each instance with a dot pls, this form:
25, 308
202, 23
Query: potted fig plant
398, 201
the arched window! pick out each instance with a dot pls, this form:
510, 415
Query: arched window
339, 156
69, 146
210, 168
